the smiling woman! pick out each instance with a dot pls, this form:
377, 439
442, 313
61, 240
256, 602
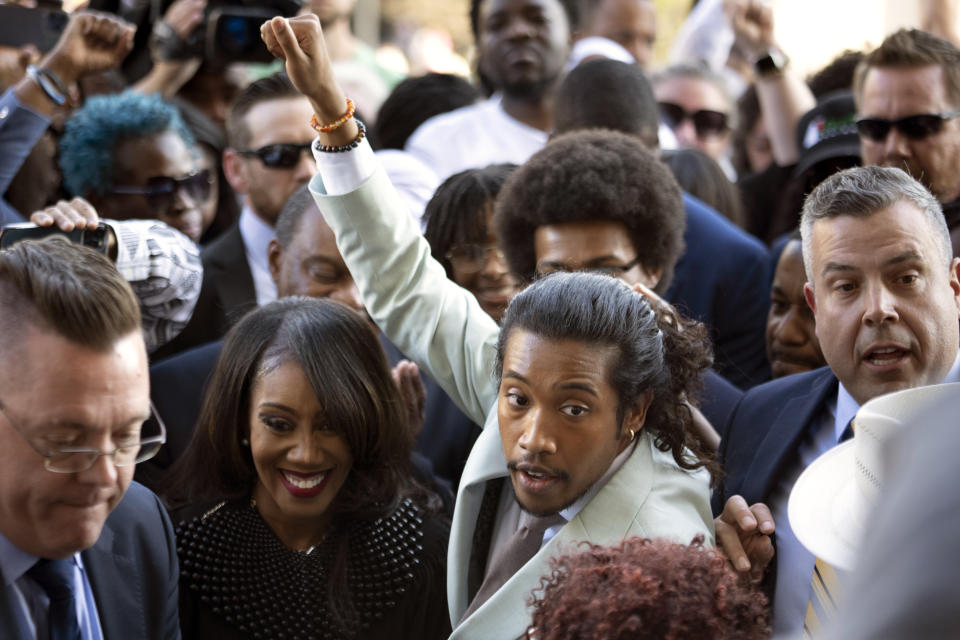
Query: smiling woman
298, 477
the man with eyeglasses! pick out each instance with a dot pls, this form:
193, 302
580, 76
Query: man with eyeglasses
84, 552
908, 97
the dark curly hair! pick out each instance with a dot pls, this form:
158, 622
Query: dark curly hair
456, 214
647, 589
414, 101
593, 175
658, 353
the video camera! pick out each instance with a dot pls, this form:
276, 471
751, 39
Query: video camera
230, 31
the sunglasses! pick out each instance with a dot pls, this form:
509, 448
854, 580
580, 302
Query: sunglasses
161, 192
915, 127
283, 155
706, 122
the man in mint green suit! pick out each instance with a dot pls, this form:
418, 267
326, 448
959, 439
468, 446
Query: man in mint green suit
442, 327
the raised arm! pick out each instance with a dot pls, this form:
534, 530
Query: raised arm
432, 320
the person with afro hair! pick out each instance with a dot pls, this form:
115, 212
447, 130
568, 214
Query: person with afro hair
593, 200
647, 589
131, 156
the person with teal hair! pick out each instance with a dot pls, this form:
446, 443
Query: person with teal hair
131, 156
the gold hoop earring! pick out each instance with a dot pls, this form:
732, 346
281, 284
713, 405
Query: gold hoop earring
633, 434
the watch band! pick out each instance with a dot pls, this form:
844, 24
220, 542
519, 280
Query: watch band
771, 64
49, 83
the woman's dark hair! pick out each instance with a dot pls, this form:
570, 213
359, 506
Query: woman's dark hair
701, 176
456, 214
593, 175
657, 353
347, 369
416, 100
647, 590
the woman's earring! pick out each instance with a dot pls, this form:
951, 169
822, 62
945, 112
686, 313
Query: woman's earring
632, 434
245, 442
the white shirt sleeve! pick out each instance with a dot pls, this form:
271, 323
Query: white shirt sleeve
344, 172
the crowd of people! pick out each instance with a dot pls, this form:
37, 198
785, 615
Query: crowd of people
586, 348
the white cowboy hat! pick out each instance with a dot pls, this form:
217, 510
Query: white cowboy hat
833, 497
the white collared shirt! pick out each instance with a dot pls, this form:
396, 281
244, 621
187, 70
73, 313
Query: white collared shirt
794, 563
257, 235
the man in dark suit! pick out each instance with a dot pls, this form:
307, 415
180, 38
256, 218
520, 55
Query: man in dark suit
268, 158
722, 278
80, 555
885, 293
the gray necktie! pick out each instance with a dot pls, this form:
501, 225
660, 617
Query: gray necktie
514, 553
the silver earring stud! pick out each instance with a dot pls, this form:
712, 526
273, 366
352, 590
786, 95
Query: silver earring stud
245, 442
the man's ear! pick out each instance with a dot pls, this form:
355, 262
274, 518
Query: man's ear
233, 170
274, 260
635, 417
810, 296
955, 281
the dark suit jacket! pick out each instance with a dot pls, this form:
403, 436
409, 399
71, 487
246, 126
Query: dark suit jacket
20, 129
762, 439
763, 435
722, 280
133, 573
227, 293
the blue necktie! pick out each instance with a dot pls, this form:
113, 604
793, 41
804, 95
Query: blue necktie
847, 432
56, 578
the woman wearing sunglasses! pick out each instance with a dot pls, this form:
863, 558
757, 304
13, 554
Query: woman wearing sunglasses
303, 519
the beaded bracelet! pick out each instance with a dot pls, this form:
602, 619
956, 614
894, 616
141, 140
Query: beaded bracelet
333, 126
353, 144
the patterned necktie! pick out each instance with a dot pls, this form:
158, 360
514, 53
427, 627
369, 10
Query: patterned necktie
823, 599
56, 579
514, 553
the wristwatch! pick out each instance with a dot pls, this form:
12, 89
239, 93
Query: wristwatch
771, 65
50, 84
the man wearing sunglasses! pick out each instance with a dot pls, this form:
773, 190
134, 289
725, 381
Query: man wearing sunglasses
84, 552
131, 157
908, 97
695, 104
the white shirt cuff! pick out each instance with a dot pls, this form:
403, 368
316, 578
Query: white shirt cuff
345, 172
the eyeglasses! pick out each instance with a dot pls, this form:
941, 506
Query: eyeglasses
284, 155
161, 192
75, 460
706, 122
471, 258
915, 127
612, 270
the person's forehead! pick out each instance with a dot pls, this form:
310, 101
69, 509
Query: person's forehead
637, 12
691, 93
582, 239
278, 121
545, 359
314, 237
60, 382
874, 239
904, 89
491, 7
163, 154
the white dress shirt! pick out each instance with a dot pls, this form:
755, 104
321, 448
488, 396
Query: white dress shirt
257, 235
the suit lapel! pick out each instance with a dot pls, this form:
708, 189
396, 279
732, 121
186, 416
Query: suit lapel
789, 427
606, 519
118, 597
232, 276
9, 619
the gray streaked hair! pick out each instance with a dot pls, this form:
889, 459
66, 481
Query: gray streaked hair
861, 192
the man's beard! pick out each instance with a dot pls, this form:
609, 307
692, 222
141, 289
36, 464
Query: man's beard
528, 90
